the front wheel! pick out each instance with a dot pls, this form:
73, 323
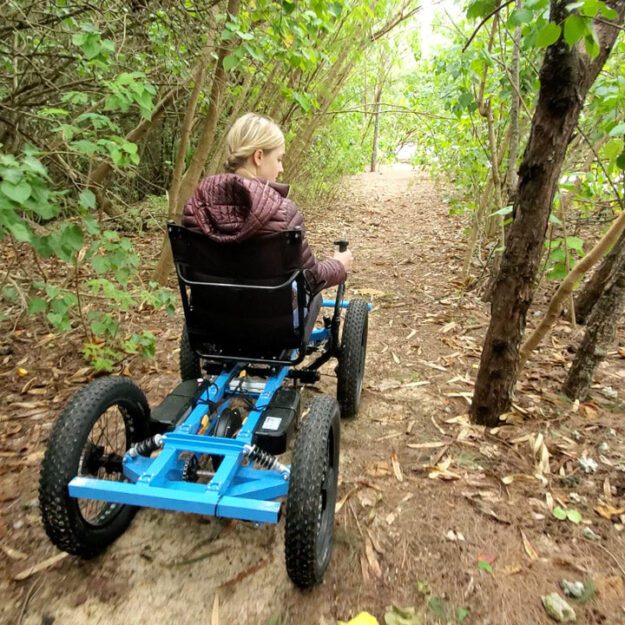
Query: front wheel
90, 438
351, 368
311, 498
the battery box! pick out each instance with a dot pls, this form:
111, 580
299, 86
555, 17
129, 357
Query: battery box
278, 421
175, 406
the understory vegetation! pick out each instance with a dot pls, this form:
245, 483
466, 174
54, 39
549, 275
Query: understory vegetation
111, 114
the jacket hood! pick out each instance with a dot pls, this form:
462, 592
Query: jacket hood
230, 208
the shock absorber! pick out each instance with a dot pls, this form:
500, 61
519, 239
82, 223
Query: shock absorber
266, 460
146, 447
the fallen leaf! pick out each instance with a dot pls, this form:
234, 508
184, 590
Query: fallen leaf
21, 372
215, 612
14, 554
590, 411
42, 566
529, 548
363, 618
512, 569
454, 536
372, 559
396, 467
607, 511
429, 445
518, 477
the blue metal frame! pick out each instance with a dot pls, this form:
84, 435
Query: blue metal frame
236, 490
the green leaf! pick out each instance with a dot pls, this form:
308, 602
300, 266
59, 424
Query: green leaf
461, 614
83, 146
519, 17
559, 513
20, 232
591, 7
37, 305
100, 264
91, 225
613, 148
574, 516
620, 161
480, 8
592, 44
618, 130
72, 237
575, 27
554, 220
575, 243
482, 565
87, 199
230, 62
506, 210
548, 35
607, 11
19, 192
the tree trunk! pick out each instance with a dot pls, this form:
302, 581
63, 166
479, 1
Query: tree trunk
599, 334
376, 129
566, 286
565, 77
590, 293
511, 174
192, 175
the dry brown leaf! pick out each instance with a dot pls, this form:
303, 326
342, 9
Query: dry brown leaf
215, 612
607, 490
372, 559
379, 469
364, 568
14, 554
341, 502
590, 411
512, 569
428, 445
396, 467
529, 548
607, 511
395, 358
517, 477
42, 566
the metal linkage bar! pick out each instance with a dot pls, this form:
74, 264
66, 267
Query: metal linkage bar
235, 491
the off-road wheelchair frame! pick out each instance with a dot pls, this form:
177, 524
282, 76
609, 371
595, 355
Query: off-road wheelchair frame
213, 444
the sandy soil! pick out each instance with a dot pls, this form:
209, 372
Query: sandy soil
425, 519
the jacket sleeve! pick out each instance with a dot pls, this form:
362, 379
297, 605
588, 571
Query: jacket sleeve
322, 274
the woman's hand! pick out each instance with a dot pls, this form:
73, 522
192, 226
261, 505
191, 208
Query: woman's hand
346, 258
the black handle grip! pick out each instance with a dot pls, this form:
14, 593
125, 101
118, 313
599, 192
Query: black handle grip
342, 243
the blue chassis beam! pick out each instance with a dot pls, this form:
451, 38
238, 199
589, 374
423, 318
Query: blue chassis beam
235, 490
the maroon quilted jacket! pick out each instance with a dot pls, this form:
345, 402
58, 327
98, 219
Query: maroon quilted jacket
229, 208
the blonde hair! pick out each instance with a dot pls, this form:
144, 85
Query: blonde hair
249, 133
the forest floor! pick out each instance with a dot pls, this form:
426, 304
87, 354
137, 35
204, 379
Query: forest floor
434, 514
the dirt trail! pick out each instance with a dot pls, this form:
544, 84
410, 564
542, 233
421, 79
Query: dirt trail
406, 533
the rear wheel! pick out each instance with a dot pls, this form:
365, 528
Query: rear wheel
190, 368
89, 439
351, 368
312, 494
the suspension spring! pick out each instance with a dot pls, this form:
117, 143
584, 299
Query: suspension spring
146, 447
265, 460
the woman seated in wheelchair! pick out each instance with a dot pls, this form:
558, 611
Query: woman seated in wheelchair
247, 201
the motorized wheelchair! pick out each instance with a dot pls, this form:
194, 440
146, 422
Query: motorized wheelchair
211, 446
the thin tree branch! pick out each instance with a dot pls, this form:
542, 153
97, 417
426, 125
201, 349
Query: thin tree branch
493, 12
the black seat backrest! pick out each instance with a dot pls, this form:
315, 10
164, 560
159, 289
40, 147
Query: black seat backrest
242, 299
